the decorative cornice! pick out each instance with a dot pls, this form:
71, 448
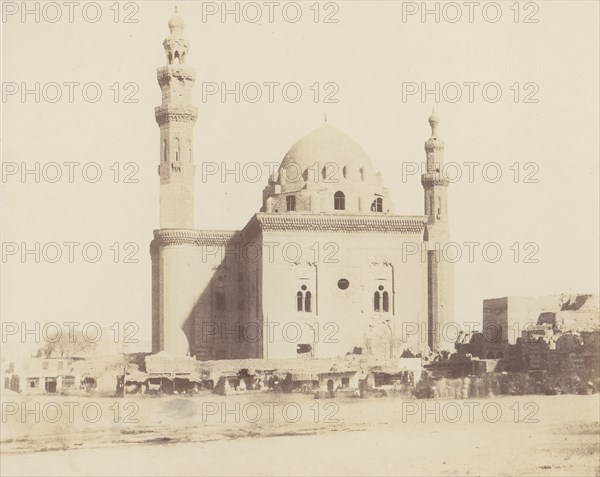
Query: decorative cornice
434, 179
168, 114
434, 144
165, 237
173, 42
341, 223
180, 72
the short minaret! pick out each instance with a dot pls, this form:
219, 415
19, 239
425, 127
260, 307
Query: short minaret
437, 235
176, 118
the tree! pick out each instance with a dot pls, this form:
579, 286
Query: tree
65, 345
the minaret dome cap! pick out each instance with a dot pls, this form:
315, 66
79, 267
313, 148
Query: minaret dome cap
434, 119
176, 22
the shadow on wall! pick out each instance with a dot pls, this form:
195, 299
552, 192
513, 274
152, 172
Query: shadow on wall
215, 328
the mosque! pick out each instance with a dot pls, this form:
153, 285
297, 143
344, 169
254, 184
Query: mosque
320, 271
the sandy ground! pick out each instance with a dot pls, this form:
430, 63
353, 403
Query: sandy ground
276, 434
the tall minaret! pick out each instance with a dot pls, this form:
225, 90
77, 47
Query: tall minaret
176, 118
437, 234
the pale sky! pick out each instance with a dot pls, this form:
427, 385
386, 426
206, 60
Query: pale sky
369, 53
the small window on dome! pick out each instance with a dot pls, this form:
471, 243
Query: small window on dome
330, 172
377, 205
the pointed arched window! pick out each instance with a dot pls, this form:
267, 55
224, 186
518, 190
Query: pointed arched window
300, 301
339, 201
165, 151
381, 300
304, 300
177, 150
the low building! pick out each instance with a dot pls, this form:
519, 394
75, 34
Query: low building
335, 380
505, 319
172, 374
45, 376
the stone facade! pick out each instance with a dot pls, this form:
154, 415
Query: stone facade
321, 271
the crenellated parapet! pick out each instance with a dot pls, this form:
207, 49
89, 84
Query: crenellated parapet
342, 223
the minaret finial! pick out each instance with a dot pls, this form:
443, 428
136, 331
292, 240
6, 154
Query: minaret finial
434, 120
176, 23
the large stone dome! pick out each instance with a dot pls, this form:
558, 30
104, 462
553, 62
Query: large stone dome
326, 171
327, 148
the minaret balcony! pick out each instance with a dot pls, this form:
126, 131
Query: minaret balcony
170, 114
434, 179
169, 169
179, 72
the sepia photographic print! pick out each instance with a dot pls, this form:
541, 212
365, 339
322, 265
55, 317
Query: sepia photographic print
300, 238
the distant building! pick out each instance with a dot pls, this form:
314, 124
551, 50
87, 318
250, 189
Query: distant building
326, 249
537, 345
505, 319
43, 376
72, 375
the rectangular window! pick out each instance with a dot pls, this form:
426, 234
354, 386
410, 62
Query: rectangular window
345, 382
45, 365
303, 348
60, 364
339, 201
291, 203
220, 301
